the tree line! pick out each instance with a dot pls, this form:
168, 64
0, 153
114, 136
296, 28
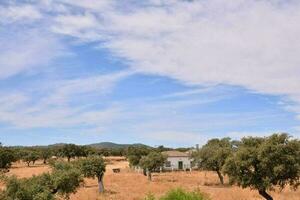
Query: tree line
30, 155
259, 163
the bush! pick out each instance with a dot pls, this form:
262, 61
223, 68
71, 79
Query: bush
6, 157
60, 183
179, 194
26, 189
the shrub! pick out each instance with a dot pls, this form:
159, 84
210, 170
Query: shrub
179, 194
26, 189
6, 157
60, 183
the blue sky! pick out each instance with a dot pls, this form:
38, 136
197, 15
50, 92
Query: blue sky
175, 73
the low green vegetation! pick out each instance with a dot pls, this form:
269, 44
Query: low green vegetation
64, 179
179, 194
60, 183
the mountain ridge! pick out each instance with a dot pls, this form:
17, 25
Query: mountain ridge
100, 145
112, 145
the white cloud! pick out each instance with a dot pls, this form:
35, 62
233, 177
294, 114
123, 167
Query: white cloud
80, 26
254, 44
95, 85
245, 47
58, 108
95, 5
23, 51
21, 14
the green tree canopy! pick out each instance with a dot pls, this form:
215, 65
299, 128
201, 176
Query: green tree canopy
45, 154
262, 163
212, 156
61, 182
94, 167
7, 156
70, 151
30, 156
85, 151
153, 161
134, 154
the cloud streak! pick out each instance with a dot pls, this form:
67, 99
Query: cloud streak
253, 44
245, 43
58, 106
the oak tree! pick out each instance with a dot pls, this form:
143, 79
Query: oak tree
212, 156
94, 167
153, 161
263, 163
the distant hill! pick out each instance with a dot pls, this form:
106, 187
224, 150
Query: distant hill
57, 145
101, 145
111, 145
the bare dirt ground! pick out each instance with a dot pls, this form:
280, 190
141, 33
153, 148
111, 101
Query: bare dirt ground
130, 185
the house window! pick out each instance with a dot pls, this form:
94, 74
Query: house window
168, 163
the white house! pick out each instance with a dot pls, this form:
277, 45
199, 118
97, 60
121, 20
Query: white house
177, 160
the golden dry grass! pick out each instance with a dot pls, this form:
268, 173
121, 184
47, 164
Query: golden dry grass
130, 185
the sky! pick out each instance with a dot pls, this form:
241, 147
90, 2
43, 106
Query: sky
158, 72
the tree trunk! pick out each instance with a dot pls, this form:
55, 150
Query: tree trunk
54, 191
28, 164
69, 158
45, 162
220, 177
265, 195
149, 175
100, 184
145, 172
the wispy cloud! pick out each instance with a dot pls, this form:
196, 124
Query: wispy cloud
59, 106
25, 50
246, 43
203, 44
19, 13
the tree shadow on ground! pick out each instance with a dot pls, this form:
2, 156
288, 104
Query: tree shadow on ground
91, 186
217, 185
110, 192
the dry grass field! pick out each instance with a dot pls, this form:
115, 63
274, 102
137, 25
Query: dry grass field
130, 185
